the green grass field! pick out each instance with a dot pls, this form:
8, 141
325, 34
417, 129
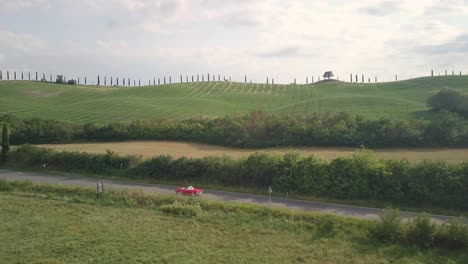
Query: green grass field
45, 224
105, 104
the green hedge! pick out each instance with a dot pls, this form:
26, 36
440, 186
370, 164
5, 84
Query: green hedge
361, 176
256, 129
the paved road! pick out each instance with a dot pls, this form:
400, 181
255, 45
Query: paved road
338, 209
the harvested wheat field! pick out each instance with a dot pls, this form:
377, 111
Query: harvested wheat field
149, 149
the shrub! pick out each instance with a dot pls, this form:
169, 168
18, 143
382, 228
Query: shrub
181, 210
453, 234
421, 231
388, 227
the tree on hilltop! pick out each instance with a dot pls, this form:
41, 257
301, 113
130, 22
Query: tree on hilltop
328, 75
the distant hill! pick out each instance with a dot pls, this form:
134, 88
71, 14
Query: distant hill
105, 104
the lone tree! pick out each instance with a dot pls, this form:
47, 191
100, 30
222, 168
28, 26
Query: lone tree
60, 79
5, 141
328, 74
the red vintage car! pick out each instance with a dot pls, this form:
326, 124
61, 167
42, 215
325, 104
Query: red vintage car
189, 191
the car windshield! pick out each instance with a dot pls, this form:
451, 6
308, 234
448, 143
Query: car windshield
190, 188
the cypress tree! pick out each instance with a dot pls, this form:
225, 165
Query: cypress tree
8, 75
396, 77
267, 81
139, 82
351, 77
85, 80
50, 77
1, 75
170, 79
445, 72
245, 79
105, 80
134, 82
128, 82
78, 82
363, 78
181, 78
432, 73
192, 78
208, 76
272, 81
36, 77
5, 141
159, 81
356, 79
453, 72
307, 79
98, 80
111, 81
14, 73
186, 79
154, 80
29, 75
117, 81
203, 78
43, 76
164, 80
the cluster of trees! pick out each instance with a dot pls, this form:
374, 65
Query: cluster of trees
449, 100
256, 129
361, 176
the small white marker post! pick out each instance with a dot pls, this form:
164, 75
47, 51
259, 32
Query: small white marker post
269, 194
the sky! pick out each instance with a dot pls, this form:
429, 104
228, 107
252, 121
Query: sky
143, 39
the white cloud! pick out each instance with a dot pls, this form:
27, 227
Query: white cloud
21, 4
269, 37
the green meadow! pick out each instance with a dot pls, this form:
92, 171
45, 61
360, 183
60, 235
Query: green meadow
46, 224
103, 104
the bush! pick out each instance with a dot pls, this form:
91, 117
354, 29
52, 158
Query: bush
453, 234
181, 210
422, 231
71, 82
388, 227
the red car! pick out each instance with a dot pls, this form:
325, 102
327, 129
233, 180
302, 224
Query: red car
189, 191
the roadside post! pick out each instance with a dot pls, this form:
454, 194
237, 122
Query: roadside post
269, 194
99, 188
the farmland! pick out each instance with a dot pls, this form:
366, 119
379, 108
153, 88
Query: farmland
101, 104
149, 149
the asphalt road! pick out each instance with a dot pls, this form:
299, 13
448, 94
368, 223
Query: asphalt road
338, 209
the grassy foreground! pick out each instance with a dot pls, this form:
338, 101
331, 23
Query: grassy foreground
45, 224
106, 104
149, 149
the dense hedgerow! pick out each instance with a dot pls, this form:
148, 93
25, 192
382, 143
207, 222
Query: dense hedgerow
256, 129
361, 176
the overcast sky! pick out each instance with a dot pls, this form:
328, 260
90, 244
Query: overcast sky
280, 39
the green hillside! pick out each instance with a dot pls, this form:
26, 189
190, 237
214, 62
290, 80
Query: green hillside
104, 104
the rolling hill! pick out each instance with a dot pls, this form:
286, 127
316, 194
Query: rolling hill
101, 104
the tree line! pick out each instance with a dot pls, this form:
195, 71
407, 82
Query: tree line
256, 130
362, 176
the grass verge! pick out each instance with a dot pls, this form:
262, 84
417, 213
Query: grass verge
50, 224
